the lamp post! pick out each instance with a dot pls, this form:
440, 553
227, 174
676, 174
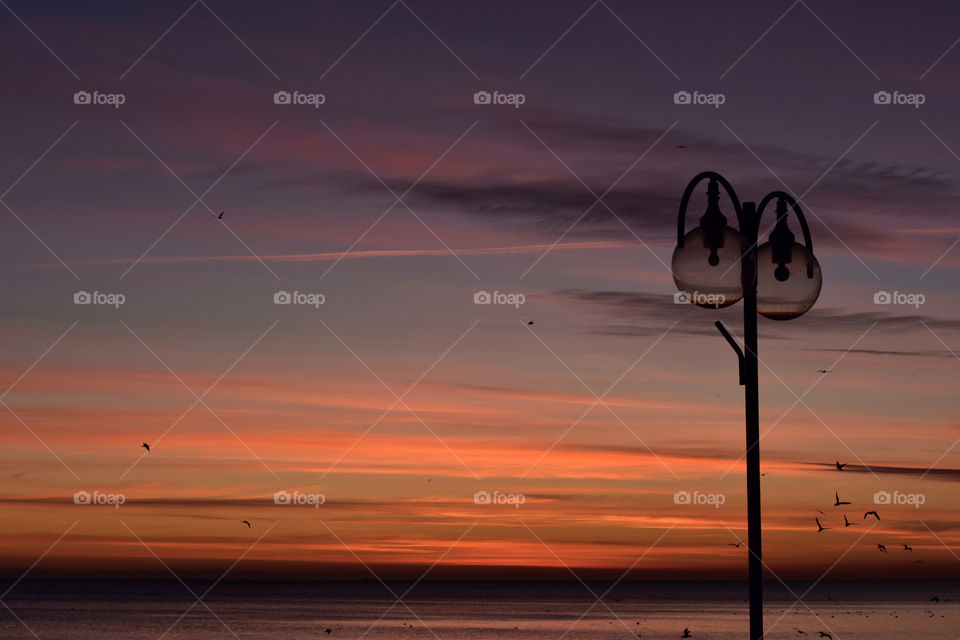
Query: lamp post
717, 265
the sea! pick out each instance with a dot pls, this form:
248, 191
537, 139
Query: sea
471, 610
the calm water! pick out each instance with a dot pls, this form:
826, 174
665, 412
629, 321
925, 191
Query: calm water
78, 610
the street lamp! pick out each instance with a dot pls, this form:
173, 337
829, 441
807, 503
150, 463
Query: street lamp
716, 265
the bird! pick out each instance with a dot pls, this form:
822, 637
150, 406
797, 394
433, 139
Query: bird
838, 502
146, 446
220, 216
820, 527
327, 631
881, 548
907, 547
686, 633
935, 599
681, 146
735, 544
846, 522
530, 323
824, 371
873, 513
800, 631
824, 634
821, 512
841, 466
246, 522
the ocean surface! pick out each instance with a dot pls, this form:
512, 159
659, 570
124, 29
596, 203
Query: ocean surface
104, 610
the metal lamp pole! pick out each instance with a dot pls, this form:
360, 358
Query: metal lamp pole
802, 284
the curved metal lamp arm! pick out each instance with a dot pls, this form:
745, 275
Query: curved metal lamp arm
700, 177
789, 199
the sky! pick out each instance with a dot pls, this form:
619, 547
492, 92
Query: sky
384, 197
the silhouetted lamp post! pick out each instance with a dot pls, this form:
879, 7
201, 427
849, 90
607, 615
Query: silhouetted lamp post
717, 265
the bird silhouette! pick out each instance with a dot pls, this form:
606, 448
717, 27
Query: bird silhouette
220, 216
735, 544
686, 634
246, 522
873, 513
824, 634
801, 631
820, 527
327, 631
847, 523
530, 323
839, 501
907, 547
935, 599
881, 548
681, 146
841, 466
824, 371
146, 446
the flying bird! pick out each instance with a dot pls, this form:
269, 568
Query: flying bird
530, 323
824, 634
873, 513
881, 548
246, 522
686, 634
824, 370
681, 146
327, 631
841, 466
838, 502
146, 446
907, 547
820, 527
735, 544
800, 631
847, 523
220, 216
